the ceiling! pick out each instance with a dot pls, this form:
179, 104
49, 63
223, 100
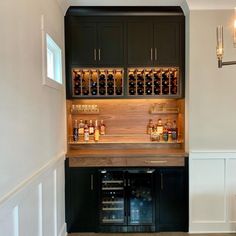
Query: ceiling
186, 4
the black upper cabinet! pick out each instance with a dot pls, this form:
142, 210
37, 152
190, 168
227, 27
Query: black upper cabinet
94, 44
83, 43
172, 200
110, 44
139, 43
167, 43
154, 42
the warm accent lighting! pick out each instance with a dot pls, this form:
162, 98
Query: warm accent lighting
220, 44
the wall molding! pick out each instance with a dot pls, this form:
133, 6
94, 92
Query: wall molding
206, 154
37, 204
31, 178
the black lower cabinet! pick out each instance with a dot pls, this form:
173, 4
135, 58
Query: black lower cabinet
82, 200
172, 199
126, 199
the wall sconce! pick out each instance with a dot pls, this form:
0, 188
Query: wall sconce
220, 44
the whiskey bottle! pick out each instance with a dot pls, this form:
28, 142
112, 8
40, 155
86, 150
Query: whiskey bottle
165, 133
159, 127
150, 127
174, 131
75, 131
96, 132
81, 127
86, 132
102, 128
91, 127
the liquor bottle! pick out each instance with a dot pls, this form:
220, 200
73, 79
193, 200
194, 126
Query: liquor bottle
91, 127
174, 131
86, 132
96, 132
159, 127
81, 127
102, 128
165, 133
150, 127
75, 131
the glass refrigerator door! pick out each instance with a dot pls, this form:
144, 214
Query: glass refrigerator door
112, 198
140, 198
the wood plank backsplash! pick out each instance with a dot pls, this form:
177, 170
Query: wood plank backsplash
126, 116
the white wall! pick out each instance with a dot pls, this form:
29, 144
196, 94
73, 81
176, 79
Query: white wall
212, 116
32, 116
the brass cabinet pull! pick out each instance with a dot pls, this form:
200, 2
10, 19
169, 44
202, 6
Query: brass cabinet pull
99, 54
155, 54
95, 54
91, 182
151, 54
155, 161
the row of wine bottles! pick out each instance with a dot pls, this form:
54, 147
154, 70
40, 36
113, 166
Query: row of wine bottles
98, 82
153, 82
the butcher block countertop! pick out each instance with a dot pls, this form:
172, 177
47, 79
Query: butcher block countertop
94, 157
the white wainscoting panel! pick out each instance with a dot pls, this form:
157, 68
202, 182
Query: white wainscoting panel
212, 192
36, 207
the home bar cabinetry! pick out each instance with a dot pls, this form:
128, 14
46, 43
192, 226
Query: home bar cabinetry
126, 168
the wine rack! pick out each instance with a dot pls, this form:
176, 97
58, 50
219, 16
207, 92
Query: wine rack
94, 82
161, 81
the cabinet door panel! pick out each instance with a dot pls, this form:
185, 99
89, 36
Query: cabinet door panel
167, 43
83, 43
110, 44
140, 43
83, 200
173, 200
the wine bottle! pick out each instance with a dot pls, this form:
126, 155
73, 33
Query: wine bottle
165, 90
102, 81
94, 91
102, 91
110, 80
118, 91
140, 91
132, 91
81, 127
157, 90
85, 91
148, 90
77, 90
110, 91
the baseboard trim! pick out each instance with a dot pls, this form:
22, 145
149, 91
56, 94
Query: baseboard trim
63, 230
31, 178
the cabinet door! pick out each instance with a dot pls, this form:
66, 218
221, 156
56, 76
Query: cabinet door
140, 43
140, 198
110, 49
83, 38
172, 200
167, 43
83, 200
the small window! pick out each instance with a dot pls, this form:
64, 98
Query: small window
52, 63
54, 66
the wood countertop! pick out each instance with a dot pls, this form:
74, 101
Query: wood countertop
126, 157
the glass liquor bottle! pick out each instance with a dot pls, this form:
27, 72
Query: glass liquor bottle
75, 131
102, 128
174, 131
159, 127
86, 132
91, 127
96, 132
81, 127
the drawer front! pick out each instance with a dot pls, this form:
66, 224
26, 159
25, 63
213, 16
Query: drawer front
96, 161
167, 161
